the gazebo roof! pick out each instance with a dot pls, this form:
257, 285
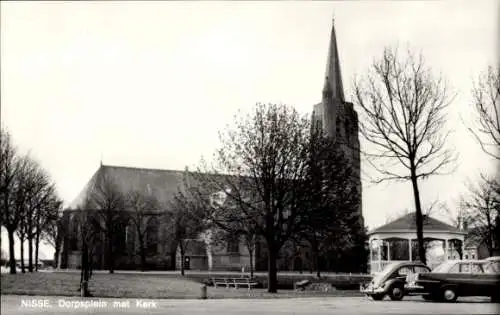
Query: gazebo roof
408, 223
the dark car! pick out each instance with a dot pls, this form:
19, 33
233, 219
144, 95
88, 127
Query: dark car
455, 278
391, 281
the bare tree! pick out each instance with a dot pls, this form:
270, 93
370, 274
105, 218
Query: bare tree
261, 168
54, 232
481, 210
237, 229
48, 214
486, 102
108, 202
9, 166
25, 182
403, 115
88, 227
141, 208
187, 218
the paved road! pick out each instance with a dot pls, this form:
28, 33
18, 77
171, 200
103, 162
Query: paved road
12, 305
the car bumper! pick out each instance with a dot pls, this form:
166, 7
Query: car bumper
370, 290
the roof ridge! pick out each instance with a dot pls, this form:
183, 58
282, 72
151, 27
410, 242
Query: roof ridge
142, 168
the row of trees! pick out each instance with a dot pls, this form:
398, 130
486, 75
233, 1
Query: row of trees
29, 204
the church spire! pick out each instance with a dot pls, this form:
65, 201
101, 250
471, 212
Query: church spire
333, 77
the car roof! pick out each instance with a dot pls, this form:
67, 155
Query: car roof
477, 261
410, 263
493, 258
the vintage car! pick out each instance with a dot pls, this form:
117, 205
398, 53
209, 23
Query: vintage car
391, 281
455, 278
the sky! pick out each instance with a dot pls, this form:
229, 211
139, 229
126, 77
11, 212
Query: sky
150, 84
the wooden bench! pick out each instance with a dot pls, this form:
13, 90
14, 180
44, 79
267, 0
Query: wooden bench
301, 285
235, 282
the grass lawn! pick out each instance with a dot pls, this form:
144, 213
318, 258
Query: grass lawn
135, 286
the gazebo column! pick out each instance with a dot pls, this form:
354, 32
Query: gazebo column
446, 250
380, 243
371, 255
388, 251
409, 249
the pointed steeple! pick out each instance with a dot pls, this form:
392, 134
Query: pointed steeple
333, 78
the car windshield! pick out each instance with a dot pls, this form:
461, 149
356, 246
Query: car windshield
444, 267
384, 271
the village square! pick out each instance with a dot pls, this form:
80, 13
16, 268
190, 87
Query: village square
238, 157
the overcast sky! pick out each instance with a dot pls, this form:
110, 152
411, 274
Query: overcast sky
149, 84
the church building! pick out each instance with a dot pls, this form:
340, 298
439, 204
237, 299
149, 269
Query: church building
336, 117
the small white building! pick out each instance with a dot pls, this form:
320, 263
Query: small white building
397, 241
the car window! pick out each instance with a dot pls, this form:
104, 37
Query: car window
476, 268
403, 271
454, 269
464, 268
419, 269
489, 268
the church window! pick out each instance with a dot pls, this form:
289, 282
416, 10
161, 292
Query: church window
233, 245
152, 236
75, 232
120, 236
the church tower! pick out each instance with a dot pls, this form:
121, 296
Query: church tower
336, 117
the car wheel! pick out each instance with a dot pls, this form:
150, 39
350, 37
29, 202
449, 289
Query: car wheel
397, 293
449, 294
377, 297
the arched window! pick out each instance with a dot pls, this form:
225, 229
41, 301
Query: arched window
233, 245
152, 237
75, 234
120, 241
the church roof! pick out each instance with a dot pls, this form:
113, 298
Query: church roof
162, 184
408, 223
333, 76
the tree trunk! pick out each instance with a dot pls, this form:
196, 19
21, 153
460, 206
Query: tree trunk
12, 257
489, 241
22, 255
419, 216
315, 250
142, 252
37, 247
30, 253
110, 258
182, 259
56, 258
272, 272
84, 276
250, 252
